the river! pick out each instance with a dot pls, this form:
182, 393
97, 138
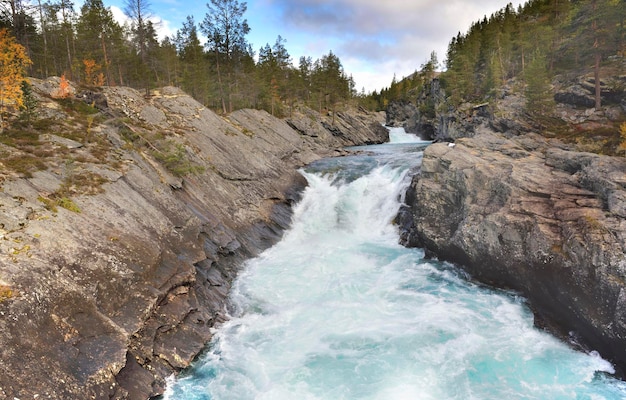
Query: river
339, 310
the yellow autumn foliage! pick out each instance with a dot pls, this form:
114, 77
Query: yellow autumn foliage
93, 76
13, 63
622, 134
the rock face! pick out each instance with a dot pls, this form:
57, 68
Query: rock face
581, 92
530, 215
399, 113
109, 301
433, 118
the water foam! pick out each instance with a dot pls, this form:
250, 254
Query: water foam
338, 310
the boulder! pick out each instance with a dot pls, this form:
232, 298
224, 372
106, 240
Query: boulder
582, 93
96, 99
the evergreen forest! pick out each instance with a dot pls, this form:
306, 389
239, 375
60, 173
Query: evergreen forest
210, 59
530, 45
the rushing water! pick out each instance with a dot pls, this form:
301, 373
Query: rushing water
338, 310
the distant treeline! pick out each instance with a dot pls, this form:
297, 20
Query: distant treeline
225, 73
540, 39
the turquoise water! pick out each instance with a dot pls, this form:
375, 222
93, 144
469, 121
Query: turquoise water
338, 310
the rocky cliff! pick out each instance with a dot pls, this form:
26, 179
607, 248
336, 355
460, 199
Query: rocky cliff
520, 209
432, 115
528, 213
122, 234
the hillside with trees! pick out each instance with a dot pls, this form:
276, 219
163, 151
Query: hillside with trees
91, 48
542, 39
546, 50
549, 37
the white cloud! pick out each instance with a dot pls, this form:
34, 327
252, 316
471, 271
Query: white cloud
163, 27
375, 39
119, 16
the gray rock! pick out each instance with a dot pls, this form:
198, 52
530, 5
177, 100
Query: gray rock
576, 96
111, 300
544, 221
399, 113
617, 203
68, 143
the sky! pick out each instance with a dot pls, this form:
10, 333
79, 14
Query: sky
374, 39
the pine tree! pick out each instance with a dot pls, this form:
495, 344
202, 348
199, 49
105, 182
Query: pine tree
95, 30
274, 70
139, 13
193, 60
330, 82
226, 31
595, 31
144, 38
305, 67
538, 94
170, 63
67, 11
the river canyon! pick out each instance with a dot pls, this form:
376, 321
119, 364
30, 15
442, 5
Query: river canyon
339, 310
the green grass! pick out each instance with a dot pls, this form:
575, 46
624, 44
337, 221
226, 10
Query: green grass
74, 106
68, 204
49, 204
174, 158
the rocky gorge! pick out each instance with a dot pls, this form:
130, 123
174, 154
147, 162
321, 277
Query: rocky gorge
518, 208
117, 253
541, 220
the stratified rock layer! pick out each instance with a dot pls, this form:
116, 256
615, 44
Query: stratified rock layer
109, 301
529, 215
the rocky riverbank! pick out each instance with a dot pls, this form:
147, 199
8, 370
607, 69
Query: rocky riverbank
525, 201
117, 254
530, 214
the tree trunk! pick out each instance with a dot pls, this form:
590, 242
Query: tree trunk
596, 77
598, 56
45, 40
219, 81
119, 71
69, 56
501, 64
106, 61
68, 33
1, 109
